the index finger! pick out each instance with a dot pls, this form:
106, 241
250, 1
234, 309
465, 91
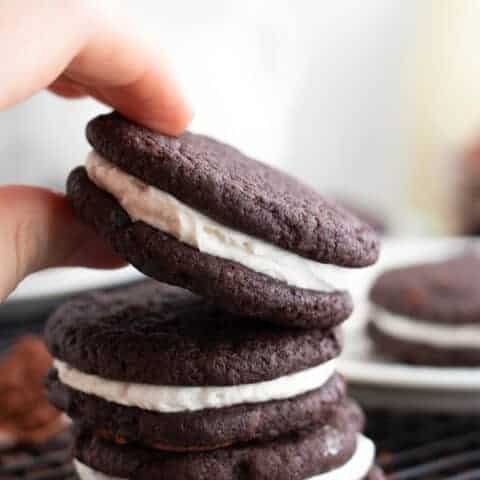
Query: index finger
92, 49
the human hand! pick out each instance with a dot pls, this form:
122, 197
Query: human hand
74, 48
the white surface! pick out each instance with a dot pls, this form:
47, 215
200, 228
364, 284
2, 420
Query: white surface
360, 364
303, 85
355, 469
64, 281
166, 213
170, 399
435, 334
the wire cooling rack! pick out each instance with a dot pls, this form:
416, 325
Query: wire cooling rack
50, 461
427, 447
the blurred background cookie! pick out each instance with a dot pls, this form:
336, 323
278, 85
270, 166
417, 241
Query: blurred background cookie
429, 313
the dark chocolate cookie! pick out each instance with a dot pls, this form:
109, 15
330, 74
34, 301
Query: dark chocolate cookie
121, 335
237, 191
420, 353
297, 456
446, 292
236, 287
195, 431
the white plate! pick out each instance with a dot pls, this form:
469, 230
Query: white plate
66, 281
42, 292
360, 365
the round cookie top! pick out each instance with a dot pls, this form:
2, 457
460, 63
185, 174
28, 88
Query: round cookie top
157, 334
444, 292
237, 191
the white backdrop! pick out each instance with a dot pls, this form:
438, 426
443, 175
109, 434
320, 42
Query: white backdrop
313, 86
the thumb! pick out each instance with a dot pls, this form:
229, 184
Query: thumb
38, 230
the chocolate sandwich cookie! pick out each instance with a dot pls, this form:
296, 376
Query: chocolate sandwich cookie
429, 313
333, 450
159, 365
198, 430
196, 213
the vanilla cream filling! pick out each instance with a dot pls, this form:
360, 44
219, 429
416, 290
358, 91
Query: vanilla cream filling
359, 465
435, 334
356, 468
164, 212
170, 399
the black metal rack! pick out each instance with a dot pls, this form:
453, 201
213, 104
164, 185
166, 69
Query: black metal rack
50, 461
427, 447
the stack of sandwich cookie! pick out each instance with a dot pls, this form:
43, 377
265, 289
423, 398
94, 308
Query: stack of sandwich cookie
235, 378
429, 313
160, 382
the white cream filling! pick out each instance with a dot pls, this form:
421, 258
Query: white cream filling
164, 212
356, 468
435, 334
170, 399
